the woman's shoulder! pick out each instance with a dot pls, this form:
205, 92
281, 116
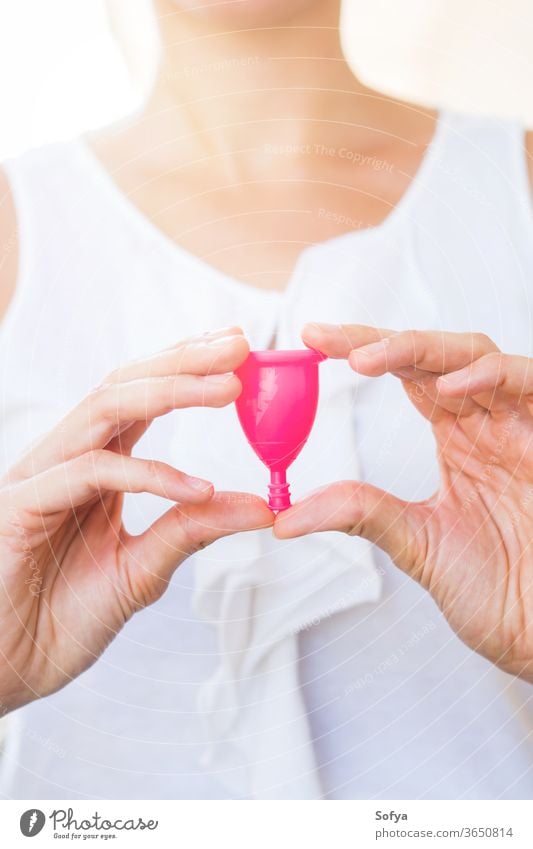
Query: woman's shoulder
44, 157
36, 191
529, 156
40, 174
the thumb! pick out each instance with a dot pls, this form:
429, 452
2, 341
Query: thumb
153, 556
360, 509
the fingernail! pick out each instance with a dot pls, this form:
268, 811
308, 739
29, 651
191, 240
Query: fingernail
372, 349
219, 378
322, 328
454, 379
198, 483
229, 330
221, 341
405, 374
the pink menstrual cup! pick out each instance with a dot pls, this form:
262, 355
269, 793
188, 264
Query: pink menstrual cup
276, 409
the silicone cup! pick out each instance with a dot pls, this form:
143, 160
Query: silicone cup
276, 409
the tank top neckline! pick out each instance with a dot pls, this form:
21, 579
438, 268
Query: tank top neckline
176, 253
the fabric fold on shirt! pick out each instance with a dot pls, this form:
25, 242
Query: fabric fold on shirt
259, 741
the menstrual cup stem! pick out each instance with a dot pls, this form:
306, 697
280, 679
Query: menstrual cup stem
279, 497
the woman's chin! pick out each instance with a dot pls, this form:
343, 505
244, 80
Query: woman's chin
247, 12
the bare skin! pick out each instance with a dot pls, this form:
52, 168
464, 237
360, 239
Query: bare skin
71, 576
238, 157
471, 544
242, 152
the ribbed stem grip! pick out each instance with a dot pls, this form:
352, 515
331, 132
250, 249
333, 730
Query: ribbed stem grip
279, 496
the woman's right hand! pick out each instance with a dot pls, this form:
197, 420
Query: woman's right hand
70, 574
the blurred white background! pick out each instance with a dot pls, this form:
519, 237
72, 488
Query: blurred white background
62, 71
470, 55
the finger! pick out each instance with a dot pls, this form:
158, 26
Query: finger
337, 340
340, 340
74, 483
128, 437
423, 392
112, 406
184, 529
433, 351
215, 353
493, 375
359, 510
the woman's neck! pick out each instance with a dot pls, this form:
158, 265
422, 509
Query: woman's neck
256, 88
259, 141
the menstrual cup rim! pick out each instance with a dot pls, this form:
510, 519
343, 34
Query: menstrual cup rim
277, 356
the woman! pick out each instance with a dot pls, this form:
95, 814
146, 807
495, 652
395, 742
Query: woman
263, 185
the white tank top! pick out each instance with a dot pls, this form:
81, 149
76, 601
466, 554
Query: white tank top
396, 705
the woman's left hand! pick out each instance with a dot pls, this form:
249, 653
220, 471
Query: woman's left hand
471, 544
